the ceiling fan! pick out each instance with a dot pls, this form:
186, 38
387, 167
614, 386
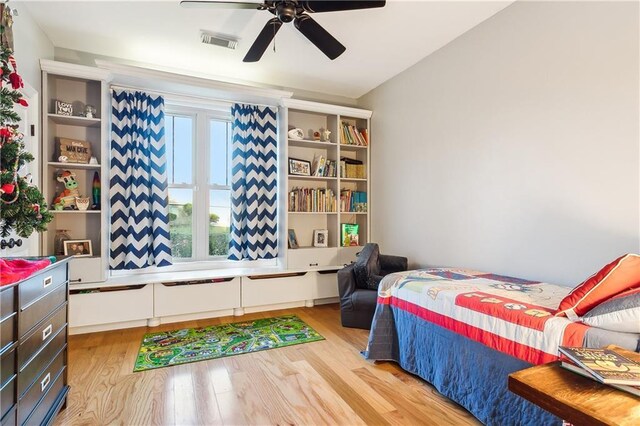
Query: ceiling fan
287, 11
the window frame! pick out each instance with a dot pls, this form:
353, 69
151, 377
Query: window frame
201, 186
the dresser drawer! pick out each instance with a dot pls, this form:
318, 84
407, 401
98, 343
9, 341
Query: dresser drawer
9, 419
7, 396
8, 332
7, 302
28, 373
44, 383
42, 335
7, 366
34, 313
40, 284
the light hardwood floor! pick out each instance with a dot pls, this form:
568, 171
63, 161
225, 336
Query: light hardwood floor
326, 382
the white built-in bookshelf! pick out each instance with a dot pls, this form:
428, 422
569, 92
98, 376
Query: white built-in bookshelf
327, 207
79, 86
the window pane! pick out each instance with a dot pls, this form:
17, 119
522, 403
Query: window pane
179, 142
219, 132
219, 222
181, 222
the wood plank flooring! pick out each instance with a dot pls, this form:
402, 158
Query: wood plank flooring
326, 382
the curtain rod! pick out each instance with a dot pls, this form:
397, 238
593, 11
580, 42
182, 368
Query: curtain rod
183, 96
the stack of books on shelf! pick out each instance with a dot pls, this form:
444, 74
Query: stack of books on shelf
312, 200
353, 201
603, 365
323, 167
350, 168
353, 136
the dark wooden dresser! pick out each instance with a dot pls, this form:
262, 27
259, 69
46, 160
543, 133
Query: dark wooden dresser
33, 347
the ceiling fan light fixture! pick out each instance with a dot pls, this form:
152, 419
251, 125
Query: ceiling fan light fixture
218, 40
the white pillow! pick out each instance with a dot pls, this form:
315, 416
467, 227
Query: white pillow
620, 313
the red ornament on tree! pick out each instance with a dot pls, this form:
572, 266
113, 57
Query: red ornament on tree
8, 188
23, 102
16, 81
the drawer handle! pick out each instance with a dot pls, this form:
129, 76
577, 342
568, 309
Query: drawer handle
45, 382
47, 281
313, 264
47, 332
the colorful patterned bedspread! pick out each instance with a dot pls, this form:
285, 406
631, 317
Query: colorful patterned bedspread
511, 315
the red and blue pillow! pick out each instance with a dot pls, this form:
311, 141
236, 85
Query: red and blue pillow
623, 274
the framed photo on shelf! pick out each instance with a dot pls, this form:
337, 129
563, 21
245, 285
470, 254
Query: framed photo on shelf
320, 237
293, 241
299, 167
78, 248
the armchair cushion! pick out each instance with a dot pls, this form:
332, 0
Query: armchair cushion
367, 267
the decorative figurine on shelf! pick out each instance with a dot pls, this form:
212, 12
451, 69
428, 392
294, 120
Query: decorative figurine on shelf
295, 133
95, 192
82, 203
316, 136
325, 135
90, 111
63, 159
68, 196
93, 160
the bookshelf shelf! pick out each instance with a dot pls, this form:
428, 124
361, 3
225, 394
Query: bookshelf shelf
70, 120
75, 211
305, 143
351, 160
296, 177
74, 165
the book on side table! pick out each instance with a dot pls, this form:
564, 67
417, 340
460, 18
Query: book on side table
603, 365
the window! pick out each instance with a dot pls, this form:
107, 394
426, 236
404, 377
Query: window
198, 168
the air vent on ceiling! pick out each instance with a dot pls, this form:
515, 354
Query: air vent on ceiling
218, 40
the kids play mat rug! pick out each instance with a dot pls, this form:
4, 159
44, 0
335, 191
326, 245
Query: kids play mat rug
166, 348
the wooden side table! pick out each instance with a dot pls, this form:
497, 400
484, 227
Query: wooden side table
574, 398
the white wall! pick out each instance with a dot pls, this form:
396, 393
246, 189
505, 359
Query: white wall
30, 45
515, 148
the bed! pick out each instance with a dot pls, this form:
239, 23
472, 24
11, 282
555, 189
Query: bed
466, 331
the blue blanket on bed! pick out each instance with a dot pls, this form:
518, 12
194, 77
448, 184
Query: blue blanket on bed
466, 371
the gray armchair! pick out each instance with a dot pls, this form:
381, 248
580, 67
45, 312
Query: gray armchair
358, 285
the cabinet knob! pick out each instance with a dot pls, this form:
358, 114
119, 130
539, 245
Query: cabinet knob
19, 242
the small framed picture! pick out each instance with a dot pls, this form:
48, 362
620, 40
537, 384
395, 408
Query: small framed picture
78, 248
299, 167
64, 108
293, 241
320, 237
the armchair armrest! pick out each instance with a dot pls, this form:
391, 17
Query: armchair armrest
391, 264
346, 286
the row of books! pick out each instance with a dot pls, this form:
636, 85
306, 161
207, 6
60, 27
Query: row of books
316, 200
324, 167
353, 136
353, 201
603, 365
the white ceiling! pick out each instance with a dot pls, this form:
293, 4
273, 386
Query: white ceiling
380, 42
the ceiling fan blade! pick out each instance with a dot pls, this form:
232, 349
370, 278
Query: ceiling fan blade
319, 36
222, 4
265, 37
337, 6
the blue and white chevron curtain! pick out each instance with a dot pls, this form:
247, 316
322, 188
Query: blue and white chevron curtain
139, 192
254, 230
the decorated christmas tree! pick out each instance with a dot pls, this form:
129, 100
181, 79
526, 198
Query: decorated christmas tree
22, 207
